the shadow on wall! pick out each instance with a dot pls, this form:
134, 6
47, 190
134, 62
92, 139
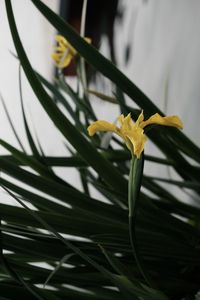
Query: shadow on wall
99, 22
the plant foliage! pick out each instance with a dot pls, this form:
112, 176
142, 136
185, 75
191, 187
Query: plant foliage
83, 241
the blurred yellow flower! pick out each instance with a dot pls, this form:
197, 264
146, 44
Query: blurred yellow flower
64, 52
133, 133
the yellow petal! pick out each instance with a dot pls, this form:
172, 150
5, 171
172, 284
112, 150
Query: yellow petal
132, 134
121, 119
64, 52
126, 123
88, 40
60, 39
101, 126
173, 121
140, 119
137, 140
64, 44
56, 57
64, 62
60, 61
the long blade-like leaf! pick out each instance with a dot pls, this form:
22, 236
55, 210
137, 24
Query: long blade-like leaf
85, 149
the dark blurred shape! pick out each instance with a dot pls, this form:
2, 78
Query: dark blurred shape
100, 19
127, 53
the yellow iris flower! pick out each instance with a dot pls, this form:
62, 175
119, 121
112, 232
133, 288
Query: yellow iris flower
133, 133
64, 52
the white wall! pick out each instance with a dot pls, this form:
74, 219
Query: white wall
37, 37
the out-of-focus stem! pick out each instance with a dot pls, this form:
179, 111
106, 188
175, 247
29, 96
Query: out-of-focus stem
135, 179
82, 60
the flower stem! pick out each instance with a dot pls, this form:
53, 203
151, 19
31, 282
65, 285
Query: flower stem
82, 60
83, 18
135, 178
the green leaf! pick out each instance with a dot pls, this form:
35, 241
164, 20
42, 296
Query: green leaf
82, 106
71, 196
11, 123
30, 139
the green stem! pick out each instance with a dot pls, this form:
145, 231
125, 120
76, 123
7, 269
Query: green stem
135, 179
82, 60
